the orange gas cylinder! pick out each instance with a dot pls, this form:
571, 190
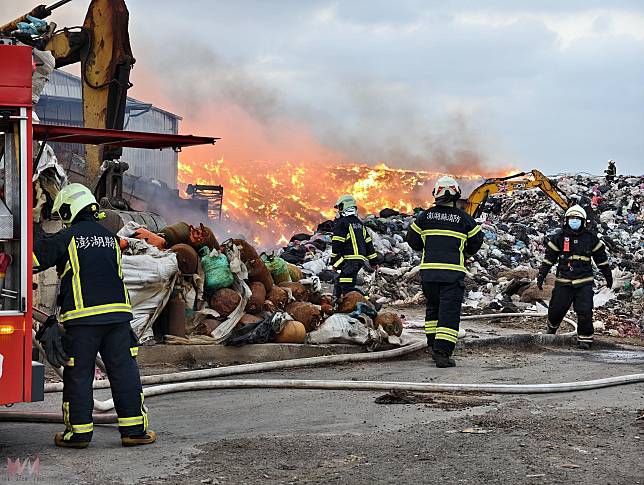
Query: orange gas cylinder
292, 333
151, 238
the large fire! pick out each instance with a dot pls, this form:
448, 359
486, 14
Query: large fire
267, 202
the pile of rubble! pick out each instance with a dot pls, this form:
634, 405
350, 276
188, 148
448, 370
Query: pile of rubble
502, 275
187, 288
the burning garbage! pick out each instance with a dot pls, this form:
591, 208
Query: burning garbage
501, 277
236, 294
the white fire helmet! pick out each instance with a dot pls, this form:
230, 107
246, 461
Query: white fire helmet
446, 188
576, 211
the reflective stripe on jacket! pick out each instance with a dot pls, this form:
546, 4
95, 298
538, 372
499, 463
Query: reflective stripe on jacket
351, 241
573, 254
88, 259
446, 236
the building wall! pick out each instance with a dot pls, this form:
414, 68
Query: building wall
61, 103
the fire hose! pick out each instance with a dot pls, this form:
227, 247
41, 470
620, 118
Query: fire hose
178, 386
288, 364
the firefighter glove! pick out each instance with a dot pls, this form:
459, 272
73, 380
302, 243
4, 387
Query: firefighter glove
49, 336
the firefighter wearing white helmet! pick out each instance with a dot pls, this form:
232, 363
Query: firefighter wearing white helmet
96, 313
351, 245
447, 236
573, 248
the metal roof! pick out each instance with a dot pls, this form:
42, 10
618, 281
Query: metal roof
134, 139
64, 85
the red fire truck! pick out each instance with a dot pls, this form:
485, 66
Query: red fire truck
18, 376
21, 379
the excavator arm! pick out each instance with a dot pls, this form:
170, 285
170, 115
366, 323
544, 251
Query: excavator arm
474, 203
102, 47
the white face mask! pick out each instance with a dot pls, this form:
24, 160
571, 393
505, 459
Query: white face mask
574, 224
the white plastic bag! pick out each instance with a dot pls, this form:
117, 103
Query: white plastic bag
149, 279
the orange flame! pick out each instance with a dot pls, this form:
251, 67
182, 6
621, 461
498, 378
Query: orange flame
268, 202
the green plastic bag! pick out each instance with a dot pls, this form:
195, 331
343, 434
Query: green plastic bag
216, 270
278, 268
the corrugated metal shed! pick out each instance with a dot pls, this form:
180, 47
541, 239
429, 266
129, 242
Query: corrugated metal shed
61, 103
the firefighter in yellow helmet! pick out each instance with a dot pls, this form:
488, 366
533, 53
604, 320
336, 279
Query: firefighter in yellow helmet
447, 236
95, 312
351, 245
572, 248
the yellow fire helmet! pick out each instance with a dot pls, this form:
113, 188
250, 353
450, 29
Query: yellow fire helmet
345, 202
72, 199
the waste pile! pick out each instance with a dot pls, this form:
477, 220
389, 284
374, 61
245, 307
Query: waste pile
188, 288
501, 277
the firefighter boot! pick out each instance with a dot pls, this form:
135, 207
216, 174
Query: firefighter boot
550, 330
59, 440
144, 439
584, 345
442, 359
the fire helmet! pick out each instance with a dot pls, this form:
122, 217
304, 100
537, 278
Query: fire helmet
576, 211
71, 200
345, 202
446, 189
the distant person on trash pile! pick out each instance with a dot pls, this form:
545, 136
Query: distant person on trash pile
96, 313
447, 236
611, 171
573, 247
351, 245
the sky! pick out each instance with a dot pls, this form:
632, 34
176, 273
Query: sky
437, 85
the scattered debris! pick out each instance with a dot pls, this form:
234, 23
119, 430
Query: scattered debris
502, 275
449, 402
476, 430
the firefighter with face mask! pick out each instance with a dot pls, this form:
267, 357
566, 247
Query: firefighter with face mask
447, 236
96, 313
573, 248
351, 245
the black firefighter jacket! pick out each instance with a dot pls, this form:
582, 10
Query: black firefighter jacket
350, 241
88, 259
447, 236
573, 253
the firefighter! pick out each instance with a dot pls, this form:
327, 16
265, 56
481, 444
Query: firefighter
572, 248
351, 245
611, 171
95, 312
447, 236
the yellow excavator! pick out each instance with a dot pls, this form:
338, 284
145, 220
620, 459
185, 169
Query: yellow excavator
534, 179
102, 46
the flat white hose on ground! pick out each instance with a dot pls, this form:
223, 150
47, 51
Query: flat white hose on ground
323, 360
287, 364
332, 385
262, 367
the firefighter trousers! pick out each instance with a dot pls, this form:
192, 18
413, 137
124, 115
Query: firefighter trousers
443, 314
581, 298
348, 277
118, 347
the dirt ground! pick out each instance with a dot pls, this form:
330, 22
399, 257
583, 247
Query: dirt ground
308, 436
517, 445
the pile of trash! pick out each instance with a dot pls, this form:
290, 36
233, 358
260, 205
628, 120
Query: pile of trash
188, 289
501, 277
